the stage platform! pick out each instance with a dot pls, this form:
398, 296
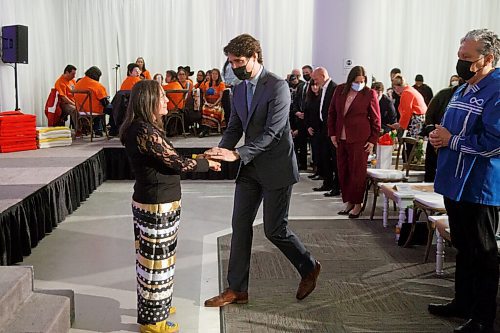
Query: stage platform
39, 188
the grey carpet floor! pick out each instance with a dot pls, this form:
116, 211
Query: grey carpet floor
367, 283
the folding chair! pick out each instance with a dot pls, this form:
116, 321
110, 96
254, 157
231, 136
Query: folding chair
84, 116
177, 114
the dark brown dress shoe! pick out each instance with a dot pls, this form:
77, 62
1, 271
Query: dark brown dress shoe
227, 297
308, 283
473, 326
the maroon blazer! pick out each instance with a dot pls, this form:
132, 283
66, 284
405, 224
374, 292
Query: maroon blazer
362, 120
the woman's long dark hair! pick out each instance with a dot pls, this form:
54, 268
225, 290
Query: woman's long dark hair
355, 72
144, 101
219, 79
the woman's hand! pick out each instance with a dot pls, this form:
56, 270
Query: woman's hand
368, 147
395, 126
334, 141
214, 165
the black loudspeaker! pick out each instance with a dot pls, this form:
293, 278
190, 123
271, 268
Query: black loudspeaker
15, 44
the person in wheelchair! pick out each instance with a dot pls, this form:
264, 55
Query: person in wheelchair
99, 99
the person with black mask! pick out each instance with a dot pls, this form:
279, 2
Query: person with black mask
306, 72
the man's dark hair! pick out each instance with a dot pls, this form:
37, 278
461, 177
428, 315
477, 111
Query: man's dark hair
131, 67
308, 66
69, 69
94, 73
395, 71
378, 86
244, 46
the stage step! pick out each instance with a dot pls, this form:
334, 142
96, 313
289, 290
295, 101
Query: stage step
25, 310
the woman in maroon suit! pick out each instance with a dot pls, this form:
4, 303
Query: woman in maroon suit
353, 127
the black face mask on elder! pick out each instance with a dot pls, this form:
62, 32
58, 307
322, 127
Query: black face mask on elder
463, 69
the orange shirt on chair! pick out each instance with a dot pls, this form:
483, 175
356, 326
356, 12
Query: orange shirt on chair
98, 92
174, 99
64, 87
129, 82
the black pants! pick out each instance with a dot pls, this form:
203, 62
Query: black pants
473, 228
328, 161
249, 193
430, 164
300, 146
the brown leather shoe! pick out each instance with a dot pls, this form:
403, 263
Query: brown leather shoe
227, 297
308, 283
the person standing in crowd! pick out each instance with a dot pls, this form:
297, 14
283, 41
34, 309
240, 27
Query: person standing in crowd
158, 77
328, 153
268, 169
394, 94
313, 126
64, 85
299, 133
387, 111
423, 89
156, 202
433, 116
354, 128
306, 72
145, 75
468, 177
133, 76
99, 98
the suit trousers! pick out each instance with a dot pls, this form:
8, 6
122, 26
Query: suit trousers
352, 163
472, 228
249, 194
328, 161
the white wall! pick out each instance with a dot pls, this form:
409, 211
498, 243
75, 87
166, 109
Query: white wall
417, 36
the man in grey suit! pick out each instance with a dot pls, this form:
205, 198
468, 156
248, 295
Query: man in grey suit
268, 169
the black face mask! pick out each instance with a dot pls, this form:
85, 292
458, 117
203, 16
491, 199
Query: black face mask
307, 77
241, 72
463, 69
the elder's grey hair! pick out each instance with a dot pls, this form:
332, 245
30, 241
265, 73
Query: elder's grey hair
489, 40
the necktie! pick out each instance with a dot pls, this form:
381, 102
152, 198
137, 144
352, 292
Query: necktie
249, 95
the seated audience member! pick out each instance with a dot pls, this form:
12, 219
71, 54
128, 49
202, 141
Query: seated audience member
133, 76
200, 79
189, 73
64, 85
145, 75
422, 88
454, 81
99, 98
182, 78
159, 78
212, 112
175, 100
387, 111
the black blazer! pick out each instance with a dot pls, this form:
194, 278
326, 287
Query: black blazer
268, 141
387, 113
326, 105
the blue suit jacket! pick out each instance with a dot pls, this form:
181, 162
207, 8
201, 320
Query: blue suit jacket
268, 141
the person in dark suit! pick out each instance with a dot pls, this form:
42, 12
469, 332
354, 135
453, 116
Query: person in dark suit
268, 169
387, 110
354, 128
328, 153
313, 124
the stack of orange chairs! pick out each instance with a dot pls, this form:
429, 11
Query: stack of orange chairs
17, 131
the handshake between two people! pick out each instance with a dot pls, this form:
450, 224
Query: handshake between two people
216, 155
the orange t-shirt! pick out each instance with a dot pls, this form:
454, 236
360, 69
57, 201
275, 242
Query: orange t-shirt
411, 102
98, 93
146, 74
64, 87
129, 82
218, 90
174, 98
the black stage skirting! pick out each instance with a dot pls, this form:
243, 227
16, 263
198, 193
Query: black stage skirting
24, 224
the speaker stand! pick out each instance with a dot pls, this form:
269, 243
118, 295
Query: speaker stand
15, 83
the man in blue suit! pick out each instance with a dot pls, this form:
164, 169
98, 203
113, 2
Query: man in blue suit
268, 169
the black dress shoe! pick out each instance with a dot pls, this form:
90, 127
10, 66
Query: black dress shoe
314, 175
473, 326
450, 309
332, 193
323, 188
